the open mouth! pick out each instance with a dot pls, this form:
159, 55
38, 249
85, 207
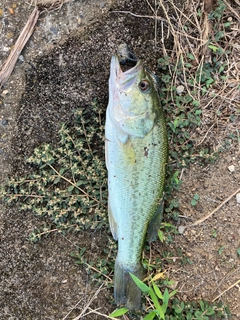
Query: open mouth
127, 58
124, 79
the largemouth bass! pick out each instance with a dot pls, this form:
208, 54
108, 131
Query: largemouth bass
136, 153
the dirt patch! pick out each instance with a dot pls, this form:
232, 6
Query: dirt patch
211, 246
41, 281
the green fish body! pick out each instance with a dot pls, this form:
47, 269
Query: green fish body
136, 155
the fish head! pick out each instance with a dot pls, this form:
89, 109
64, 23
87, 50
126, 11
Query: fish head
133, 99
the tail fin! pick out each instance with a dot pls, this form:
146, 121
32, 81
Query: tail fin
126, 292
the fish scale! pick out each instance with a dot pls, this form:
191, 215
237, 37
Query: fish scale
136, 156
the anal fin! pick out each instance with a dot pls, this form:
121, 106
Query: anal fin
112, 222
155, 223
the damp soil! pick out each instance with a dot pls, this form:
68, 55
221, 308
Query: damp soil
66, 66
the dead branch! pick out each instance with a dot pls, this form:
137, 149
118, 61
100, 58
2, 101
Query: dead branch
233, 285
18, 47
89, 303
215, 210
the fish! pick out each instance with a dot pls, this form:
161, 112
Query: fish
136, 154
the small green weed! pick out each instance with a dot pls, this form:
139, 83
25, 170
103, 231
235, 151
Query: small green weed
238, 252
99, 270
173, 183
214, 233
195, 200
166, 231
201, 310
220, 250
69, 185
217, 14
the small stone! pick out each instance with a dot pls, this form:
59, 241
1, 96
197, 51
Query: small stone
5, 92
4, 122
238, 197
180, 89
181, 229
21, 58
231, 168
54, 30
10, 10
79, 20
102, 4
233, 84
64, 281
5, 21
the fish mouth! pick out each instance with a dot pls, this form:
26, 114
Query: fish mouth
123, 80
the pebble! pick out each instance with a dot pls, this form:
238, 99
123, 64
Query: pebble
180, 89
5, 21
181, 229
21, 58
231, 168
233, 84
54, 30
4, 122
102, 4
238, 197
5, 92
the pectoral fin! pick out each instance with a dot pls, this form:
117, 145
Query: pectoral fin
112, 222
155, 223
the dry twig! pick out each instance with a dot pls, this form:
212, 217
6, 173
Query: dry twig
139, 15
18, 47
233, 285
89, 303
215, 210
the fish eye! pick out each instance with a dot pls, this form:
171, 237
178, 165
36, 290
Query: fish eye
144, 85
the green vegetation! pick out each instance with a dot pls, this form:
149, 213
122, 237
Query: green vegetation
214, 233
156, 295
238, 252
195, 199
99, 270
69, 185
220, 250
190, 84
164, 308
